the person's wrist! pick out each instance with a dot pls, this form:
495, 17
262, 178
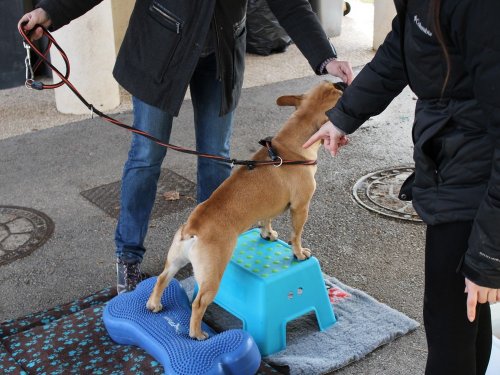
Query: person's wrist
322, 68
46, 15
340, 131
43, 16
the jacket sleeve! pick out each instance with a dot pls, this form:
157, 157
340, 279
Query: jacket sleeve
303, 26
63, 12
480, 48
378, 83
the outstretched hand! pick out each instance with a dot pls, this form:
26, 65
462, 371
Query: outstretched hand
341, 69
33, 18
481, 294
333, 138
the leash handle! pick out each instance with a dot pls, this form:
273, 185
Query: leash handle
64, 80
29, 46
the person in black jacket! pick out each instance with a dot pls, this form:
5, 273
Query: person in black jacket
170, 44
443, 50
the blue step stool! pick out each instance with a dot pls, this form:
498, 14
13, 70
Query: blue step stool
266, 287
165, 335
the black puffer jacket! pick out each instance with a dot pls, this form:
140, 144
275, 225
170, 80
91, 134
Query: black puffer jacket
166, 37
457, 134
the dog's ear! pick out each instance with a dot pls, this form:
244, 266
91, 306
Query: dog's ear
289, 100
340, 86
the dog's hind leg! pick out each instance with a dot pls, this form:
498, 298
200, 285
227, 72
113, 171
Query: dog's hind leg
266, 230
206, 294
209, 263
176, 259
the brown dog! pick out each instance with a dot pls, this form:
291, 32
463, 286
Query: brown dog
249, 196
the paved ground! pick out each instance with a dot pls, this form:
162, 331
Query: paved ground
49, 168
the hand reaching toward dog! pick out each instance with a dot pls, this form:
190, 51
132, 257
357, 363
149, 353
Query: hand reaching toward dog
33, 18
481, 294
341, 69
333, 138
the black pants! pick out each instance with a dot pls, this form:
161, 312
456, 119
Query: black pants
456, 346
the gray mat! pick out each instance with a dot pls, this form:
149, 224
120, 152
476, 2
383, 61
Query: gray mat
363, 324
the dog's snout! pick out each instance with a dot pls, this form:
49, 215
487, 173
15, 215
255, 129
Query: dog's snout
340, 86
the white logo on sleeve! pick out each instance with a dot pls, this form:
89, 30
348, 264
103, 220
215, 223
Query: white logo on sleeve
422, 28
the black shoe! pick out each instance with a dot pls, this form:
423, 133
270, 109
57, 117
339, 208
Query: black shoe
128, 276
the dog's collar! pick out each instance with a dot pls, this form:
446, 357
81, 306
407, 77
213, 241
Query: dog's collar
266, 142
276, 160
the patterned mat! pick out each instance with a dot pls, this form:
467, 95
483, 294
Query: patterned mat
72, 339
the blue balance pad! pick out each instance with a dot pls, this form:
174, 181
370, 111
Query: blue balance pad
165, 335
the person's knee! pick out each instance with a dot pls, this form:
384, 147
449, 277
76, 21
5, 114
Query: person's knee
147, 152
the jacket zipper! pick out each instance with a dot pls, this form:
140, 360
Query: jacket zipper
168, 17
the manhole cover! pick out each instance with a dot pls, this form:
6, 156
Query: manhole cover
378, 192
107, 197
22, 231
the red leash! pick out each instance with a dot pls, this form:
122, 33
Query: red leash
64, 80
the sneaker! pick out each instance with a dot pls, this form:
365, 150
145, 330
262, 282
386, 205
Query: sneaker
127, 276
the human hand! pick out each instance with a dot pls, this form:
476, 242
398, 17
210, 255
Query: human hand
341, 69
33, 18
333, 138
481, 294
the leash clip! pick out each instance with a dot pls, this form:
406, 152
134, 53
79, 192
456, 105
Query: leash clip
27, 63
266, 142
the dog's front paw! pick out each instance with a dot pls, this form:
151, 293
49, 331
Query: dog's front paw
154, 306
304, 253
199, 336
270, 235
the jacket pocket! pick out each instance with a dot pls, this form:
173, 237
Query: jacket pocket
166, 34
165, 17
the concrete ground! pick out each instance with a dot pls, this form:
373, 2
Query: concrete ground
48, 159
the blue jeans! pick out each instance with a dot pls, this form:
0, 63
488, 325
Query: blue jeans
142, 169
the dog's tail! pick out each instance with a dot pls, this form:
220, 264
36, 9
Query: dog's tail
186, 232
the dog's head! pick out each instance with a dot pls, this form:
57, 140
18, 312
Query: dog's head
314, 103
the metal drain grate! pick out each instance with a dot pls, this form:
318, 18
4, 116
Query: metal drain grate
107, 197
22, 231
378, 192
